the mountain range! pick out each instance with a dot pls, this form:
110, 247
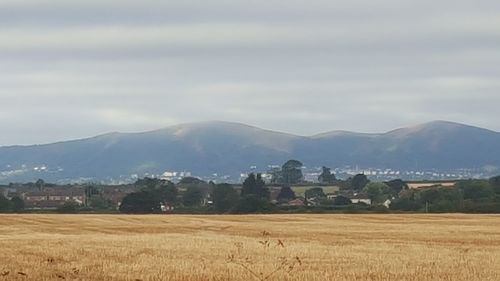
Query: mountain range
231, 148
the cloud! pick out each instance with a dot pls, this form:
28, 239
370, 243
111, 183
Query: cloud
71, 69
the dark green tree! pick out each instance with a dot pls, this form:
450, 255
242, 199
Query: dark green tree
142, 202
378, 192
315, 192
495, 184
440, 199
292, 172
225, 198
341, 201
17, 204
193, 195
254, 185
5, 204
40, 184
191, 181
168, 194
326, 176
164, 190
150, 183
476, 189
276, 175
397, 186
98, 203
68, 208
358, 182
253, 204
249, 185
286, 194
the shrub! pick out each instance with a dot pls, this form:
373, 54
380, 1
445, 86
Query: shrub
68, 208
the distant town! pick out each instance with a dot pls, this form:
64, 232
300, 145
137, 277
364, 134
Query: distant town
310, 174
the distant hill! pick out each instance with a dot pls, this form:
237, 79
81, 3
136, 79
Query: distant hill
230, 148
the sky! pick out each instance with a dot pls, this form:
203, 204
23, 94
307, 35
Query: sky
74, 69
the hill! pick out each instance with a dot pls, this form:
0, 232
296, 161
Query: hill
230, 148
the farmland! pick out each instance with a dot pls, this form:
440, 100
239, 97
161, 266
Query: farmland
252, 247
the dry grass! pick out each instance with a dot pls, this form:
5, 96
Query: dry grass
330, 247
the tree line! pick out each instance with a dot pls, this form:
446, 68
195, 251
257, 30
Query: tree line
192, 195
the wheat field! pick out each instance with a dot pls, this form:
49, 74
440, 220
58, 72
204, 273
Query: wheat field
253, 247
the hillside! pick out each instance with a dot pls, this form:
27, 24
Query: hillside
230, 148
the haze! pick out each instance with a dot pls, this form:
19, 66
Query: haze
72, 69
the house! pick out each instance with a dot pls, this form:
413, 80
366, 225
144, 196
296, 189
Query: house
315, 201
331, 196
296, 202
52, 198
166, 207
428, 184
387, 203
361, 199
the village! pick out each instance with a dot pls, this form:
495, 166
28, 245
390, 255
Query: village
41, 196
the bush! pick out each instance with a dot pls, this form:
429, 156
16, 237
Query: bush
254, 204
17, 204
405, 204
225, 198
143, 202
476, 189
5, 204
342, 201
68, 208
471, 206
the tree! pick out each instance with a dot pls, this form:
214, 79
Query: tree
476, 189
68, 208
17, 204
253, 204
249, 185
326, 176
440, 199
286, 194
143, 202
191, 181
40, 184
358, 182
192, 196
378, 192
341, 201
276, 175
168, 193
495, 183
225, 198
397, 186
254, 185
315, 192
5, 204
292, 172
99, 203
147, 183
164, 190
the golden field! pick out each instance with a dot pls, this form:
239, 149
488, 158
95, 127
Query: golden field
241, 248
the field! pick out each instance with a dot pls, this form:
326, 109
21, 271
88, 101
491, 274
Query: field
245, 248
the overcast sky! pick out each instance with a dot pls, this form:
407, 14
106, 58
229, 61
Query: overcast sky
72, 69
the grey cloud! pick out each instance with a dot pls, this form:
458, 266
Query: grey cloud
71, 69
